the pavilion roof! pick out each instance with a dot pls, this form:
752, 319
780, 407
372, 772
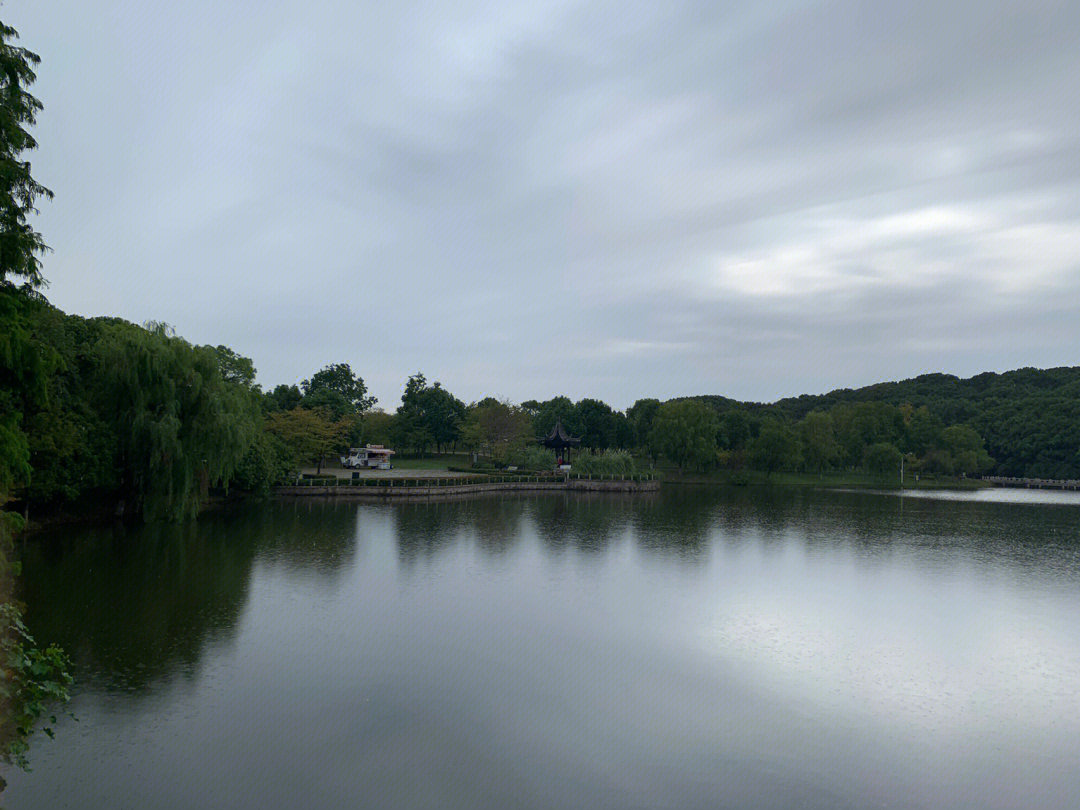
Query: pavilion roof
560, 438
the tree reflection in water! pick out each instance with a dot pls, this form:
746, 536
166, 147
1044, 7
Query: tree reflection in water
133, 604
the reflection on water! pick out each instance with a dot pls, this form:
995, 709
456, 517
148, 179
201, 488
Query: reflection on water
1033, 497
694, 648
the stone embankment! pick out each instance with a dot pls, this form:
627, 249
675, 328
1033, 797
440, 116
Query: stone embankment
428, 487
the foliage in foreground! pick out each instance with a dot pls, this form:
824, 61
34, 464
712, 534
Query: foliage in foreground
33, 681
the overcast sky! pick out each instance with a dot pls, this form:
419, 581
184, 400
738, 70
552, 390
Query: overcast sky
597, 199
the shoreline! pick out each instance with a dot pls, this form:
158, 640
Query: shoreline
104, 513
827, 481
432, 488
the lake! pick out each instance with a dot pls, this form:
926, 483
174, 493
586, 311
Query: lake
696, 648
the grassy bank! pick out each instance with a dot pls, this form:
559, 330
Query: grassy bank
829, 480
433, 462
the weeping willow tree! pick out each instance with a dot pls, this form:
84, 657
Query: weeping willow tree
182, 426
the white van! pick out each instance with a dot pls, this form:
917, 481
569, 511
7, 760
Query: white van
372, 456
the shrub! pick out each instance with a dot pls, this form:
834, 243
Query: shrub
267, 462
610, 462
531, 457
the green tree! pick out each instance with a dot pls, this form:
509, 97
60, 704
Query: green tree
557, 409
21, 247
818, 438
268, 461
861, 424
32, 678
967, 450
72, 439
181, 426
428, 415
309, 434
379, 428
597, 420
409, 428
443, 416
499, 426
922, 431
735, 431
641, 415
235, 369
883, 460
338, 388
23, 363
684, 430
775, 448
283, 398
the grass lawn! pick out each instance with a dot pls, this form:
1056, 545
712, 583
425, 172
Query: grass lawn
433, 462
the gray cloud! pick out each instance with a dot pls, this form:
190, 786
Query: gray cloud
591, 198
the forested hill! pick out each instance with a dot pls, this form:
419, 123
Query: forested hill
1029, 418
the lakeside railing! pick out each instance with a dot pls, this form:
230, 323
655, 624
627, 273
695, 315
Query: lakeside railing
469, 480
557, 476
613, 477
1033, 483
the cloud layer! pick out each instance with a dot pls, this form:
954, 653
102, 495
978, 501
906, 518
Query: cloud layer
586, 198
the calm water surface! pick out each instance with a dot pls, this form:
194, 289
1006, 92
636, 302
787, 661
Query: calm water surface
692, 649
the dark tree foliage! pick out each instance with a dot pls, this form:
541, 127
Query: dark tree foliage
640, 416
557, 409
236, 369
409, 428
924, 431
770, 438
336, 387
444, 416
817, 435
21, 246
494, 427
24, 362
429, 415
378, 428
775, 448
735, 430
267, 461
309, 434
882, 459
73, 441
283, 398
181, 426
599, 424
1029, 418
32, 679
684, 430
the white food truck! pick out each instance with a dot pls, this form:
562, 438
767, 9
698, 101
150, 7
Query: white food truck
373, 456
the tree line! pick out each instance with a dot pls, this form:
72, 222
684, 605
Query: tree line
137, 414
